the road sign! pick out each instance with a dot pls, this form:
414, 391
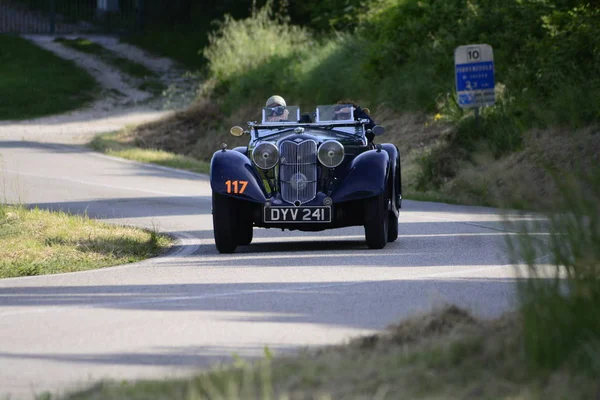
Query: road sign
474, 66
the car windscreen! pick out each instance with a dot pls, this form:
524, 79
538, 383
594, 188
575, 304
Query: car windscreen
355, 132
335, 113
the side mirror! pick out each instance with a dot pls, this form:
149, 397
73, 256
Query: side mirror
378, 130
236, 131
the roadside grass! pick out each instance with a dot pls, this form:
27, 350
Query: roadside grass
35, 82
149, 79
121, 144
39, 242
560, 313
446, 354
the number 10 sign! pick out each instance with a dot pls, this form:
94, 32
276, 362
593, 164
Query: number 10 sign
474, 66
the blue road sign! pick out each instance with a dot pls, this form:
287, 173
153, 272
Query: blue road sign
475, 76
474, 72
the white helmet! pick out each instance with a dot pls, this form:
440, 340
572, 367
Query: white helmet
275, 100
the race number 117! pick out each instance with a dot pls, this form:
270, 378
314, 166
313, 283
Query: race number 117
236, 187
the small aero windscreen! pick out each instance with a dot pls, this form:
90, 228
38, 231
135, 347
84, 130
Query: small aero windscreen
280, 115
335, 113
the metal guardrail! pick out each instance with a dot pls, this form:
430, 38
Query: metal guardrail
70, 16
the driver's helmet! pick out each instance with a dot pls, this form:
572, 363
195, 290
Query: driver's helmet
275, 101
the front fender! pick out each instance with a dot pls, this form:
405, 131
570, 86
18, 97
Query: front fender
366, 177
395, 182
230, 165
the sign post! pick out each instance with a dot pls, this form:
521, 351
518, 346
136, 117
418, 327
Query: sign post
474, 70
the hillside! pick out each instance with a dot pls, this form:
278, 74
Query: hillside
396, 57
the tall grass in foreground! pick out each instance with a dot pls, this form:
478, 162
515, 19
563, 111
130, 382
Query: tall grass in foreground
560, 311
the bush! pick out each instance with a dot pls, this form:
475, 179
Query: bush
255, 57
543, 50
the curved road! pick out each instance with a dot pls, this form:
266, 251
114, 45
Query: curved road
172, 315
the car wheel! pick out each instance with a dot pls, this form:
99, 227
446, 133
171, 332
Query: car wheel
376, 221
245, 233
392, 227
224, 223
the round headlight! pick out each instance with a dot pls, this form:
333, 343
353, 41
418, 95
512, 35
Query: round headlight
331, 153
265, 155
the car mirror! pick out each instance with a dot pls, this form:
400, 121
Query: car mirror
378, 130
236, 131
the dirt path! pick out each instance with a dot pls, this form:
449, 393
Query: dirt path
121, 102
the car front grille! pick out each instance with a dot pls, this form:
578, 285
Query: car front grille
298, 171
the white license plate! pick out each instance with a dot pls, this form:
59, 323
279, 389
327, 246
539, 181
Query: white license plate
297, 214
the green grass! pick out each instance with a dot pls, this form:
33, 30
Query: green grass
120, 144
35, 82
185, 47
131, 68
38, 242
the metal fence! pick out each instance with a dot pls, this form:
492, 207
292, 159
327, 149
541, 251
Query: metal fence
70, 16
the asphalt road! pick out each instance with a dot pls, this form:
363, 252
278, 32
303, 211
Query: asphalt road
172, 315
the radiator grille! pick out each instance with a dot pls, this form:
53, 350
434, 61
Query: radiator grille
298, 171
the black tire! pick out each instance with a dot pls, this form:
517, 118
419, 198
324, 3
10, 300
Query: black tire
224, 223
376, 221
392, 227
245, 233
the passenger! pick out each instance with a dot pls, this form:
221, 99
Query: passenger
342, 112
359, 113
276, 109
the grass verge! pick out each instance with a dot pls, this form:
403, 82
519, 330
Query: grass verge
38, 242
121, 144
149, 78
29, 92
561, 311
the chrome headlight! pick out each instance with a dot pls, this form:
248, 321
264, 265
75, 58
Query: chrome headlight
265, 155
331, 153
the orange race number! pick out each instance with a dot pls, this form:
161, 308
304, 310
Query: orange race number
236, 187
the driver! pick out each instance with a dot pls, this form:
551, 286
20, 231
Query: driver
276, 109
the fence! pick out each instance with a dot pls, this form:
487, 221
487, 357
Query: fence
71, 16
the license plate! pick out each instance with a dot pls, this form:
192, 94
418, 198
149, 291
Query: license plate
297, 214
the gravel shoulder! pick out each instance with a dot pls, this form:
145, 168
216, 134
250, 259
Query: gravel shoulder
120, 104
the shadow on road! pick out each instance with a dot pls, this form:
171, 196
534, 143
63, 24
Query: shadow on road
133, 207
327, 304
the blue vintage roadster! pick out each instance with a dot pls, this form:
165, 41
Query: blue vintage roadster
311, 173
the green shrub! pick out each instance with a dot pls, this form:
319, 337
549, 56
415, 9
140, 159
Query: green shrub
495, 128
437, 165
252, 57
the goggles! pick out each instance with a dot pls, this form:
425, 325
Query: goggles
275, 111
